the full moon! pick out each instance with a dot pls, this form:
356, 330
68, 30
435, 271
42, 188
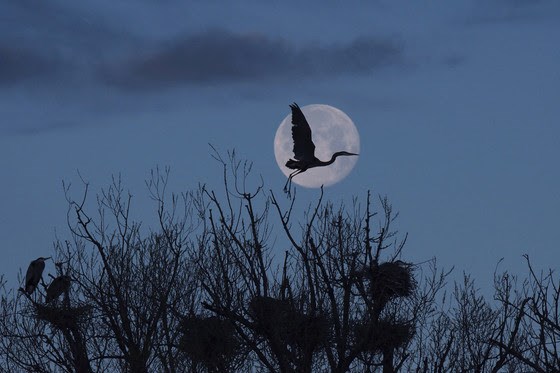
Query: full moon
332, 131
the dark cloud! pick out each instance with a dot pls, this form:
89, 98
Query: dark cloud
57, 24
78, 45
512, 11
17, 64
221, 56
53, 39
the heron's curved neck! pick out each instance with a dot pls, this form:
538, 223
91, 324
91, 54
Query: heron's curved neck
331, 161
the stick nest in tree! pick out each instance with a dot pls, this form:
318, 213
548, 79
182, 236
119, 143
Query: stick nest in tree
62, 317
211, 341
279, 321
384, 335
391, 279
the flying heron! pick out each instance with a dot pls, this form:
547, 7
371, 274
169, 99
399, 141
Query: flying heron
304, 148
34, 274
58, 286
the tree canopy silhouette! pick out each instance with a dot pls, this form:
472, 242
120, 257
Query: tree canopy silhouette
232, 280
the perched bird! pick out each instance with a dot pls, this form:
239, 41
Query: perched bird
304, 148
34, 274
58, 286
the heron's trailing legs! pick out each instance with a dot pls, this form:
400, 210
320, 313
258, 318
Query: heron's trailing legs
288, 185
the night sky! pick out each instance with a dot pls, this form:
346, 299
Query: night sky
457, 104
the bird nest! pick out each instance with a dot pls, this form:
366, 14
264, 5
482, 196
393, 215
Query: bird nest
278, 320
391, 279
61, 317
383, 335
209, 340
267, 311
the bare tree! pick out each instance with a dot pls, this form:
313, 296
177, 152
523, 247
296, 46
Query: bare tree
533, 337
211, 286
127, 289
331, 304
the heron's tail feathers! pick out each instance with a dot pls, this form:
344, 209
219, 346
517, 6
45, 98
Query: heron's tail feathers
292, 164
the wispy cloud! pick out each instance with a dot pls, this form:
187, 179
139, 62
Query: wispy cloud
221, 56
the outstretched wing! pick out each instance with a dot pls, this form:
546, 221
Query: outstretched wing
304, 149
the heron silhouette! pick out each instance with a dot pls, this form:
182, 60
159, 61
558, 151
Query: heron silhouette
304, 148
34, 274
58, 286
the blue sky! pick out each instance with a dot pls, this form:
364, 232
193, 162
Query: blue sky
457, 104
